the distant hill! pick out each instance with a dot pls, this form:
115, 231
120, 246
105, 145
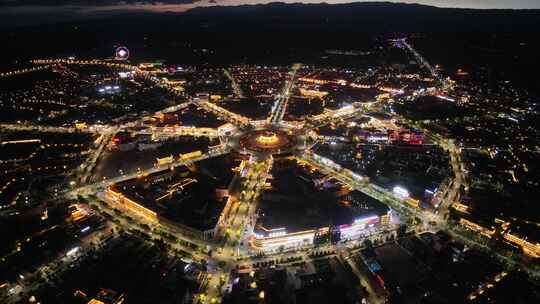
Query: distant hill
250, 28
368, 17
357, 17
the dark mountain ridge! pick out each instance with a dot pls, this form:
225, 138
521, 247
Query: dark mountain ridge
265, 27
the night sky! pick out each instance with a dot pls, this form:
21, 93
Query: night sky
177, 5
482, 4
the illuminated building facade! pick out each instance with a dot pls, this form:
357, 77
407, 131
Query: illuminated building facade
268, 239
177, 200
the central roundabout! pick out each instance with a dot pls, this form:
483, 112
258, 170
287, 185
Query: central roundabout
268, 139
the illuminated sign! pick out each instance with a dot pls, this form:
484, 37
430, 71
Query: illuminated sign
366, 220
72, 251
400, 192
277, 232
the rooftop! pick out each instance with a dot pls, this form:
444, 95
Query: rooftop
193, 196
310, 200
